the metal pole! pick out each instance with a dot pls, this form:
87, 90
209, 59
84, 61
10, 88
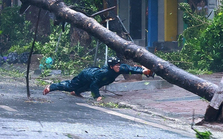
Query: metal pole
125, 28
30, 55
96, 53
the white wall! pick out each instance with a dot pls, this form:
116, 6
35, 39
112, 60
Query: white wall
124, 12
212, 4
180, 19
19, 2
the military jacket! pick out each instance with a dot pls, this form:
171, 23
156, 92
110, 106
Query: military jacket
98, 77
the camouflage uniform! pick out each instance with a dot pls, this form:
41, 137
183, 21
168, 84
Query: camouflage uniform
92, 79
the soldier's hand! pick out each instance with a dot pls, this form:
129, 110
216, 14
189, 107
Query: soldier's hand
146, 71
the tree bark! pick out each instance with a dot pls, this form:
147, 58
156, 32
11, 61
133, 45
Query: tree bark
214, 111
166, 70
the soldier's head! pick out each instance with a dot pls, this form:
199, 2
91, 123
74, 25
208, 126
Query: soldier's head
114, 63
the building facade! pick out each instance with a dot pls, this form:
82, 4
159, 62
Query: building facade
158, 22
155, 22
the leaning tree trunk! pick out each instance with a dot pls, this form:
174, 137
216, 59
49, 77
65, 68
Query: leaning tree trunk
214, 110
162, 68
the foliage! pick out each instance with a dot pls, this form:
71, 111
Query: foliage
109, 105
20, 49
86, 6
41, 82
11, 73
70, 59
112, 105
45, 73
211, 42
177, 58
182, 61
203, 135
203, 42
14, 29
196, 24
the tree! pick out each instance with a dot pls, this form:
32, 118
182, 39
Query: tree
162, 68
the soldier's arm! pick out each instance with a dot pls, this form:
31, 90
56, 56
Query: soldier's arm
127, 69
137, 69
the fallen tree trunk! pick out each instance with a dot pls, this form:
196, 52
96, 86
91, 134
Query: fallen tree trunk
166, 70
214, 111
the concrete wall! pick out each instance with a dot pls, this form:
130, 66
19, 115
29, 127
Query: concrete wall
124, 12
170, 20
19, 2
212, 4
161, 29
144, 19
142, 41
180, 20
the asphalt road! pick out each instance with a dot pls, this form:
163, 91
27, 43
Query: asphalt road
59, 115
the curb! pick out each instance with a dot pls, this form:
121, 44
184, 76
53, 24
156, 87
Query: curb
138, 85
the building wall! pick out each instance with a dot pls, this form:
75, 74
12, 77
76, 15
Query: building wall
19, 2
160, 20
144, 34
167, 24
152, 22
124, 12
124, 8
212, 5
177, 26
180, 22
170, 20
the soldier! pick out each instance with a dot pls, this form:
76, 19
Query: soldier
92, 79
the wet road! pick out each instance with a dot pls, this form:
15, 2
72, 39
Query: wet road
59, 115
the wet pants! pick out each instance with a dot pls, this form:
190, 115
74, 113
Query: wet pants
76, 84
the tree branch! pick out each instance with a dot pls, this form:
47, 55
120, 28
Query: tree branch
30, 55
139, 54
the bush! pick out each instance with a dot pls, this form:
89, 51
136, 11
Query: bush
203, 42
14, 29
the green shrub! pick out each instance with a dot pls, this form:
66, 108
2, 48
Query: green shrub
203, 42
14, 29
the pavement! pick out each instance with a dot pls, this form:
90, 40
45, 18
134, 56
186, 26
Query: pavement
173, 105
168, 104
